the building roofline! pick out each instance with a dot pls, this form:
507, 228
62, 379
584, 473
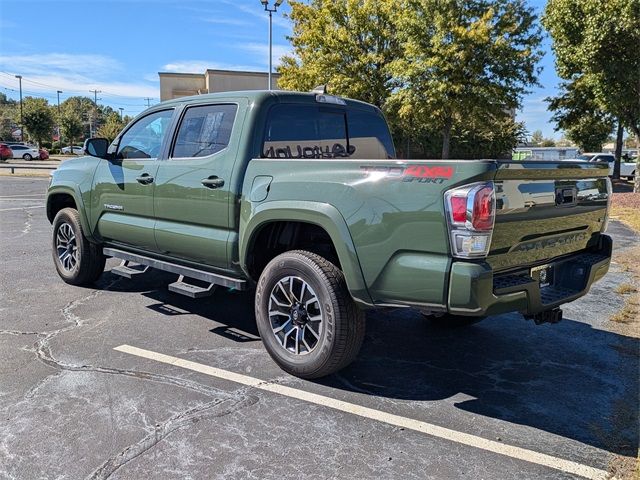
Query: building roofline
215, 70
181, 74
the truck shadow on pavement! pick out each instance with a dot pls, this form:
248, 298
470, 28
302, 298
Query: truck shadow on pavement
568, 379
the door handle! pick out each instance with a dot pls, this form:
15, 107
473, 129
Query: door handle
213, 182
145, 179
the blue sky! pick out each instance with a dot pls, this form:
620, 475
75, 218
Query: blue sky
119, 46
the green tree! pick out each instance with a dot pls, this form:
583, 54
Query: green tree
82, 108
111, 127
596, 43
345, 44
537, 138
434, 67
38, 119
71, 124
577, 112
462, 59
8, 108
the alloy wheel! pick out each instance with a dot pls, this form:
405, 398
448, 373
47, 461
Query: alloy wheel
295, 315
66, 247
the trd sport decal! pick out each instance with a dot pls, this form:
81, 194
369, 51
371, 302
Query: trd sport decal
413, 173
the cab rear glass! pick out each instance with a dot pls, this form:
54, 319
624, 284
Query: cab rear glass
317, 131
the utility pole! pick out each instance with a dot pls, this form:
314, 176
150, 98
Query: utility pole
19, 77
121, 110
94, 126
271, 11
58, 122
148, 100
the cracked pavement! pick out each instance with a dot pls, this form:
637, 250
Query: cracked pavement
72, 407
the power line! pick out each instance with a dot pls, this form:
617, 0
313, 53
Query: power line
54, 87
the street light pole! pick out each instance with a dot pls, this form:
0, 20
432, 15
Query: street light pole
121, 110
271, 11
59, 138
19, 77
94, 124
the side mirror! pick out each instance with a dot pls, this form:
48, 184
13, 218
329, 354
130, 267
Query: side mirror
97, 147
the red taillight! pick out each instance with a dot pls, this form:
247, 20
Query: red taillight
471, 237
483, 204
459, 209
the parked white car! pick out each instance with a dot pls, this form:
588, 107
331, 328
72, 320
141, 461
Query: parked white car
75, 150
25, 152
627, 169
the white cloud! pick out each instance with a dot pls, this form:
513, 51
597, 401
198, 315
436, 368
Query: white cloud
225, 21
60, 62
73, 74
258, 12
261, 51
199, 66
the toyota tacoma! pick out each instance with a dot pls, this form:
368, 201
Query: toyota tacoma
301, 196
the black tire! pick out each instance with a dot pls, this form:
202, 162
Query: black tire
27, 157
449, 321
89, 260
342, 323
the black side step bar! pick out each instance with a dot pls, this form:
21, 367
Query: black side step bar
188, 272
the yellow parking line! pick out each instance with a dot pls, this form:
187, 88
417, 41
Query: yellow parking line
519, 453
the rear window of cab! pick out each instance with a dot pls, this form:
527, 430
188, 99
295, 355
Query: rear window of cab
318, 131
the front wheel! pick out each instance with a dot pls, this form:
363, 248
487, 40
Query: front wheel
78, 261
27, 157
307, 320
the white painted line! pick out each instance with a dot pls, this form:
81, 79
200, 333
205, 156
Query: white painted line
39, 195
33, 199
378, 415
20, 208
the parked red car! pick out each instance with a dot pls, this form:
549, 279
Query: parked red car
44, 154
5, 152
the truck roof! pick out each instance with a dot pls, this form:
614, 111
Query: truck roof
260, 96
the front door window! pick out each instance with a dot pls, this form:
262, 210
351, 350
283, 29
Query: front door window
144, 138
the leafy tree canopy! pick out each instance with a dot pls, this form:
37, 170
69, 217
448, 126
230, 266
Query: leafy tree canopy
598, 43
432, 65
111, 127
348, 44
577, 112
38, 119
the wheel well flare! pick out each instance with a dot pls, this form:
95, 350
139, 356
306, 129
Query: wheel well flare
275, 238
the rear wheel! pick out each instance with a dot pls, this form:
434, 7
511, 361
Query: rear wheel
27, 157
78, 261
307, 320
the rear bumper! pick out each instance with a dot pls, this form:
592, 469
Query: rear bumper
475, 291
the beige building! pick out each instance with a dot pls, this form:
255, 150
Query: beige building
175, 85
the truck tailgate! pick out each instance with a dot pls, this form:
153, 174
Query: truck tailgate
545, 210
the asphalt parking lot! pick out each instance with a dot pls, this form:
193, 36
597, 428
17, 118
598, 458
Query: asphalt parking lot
128, 380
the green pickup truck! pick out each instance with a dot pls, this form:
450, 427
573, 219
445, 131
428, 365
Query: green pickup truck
301, 196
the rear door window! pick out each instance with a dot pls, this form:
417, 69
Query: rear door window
204, 130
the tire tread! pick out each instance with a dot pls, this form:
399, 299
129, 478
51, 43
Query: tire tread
349, 320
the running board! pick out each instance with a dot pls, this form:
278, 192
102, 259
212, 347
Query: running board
190, 290
212, 278
127, 271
